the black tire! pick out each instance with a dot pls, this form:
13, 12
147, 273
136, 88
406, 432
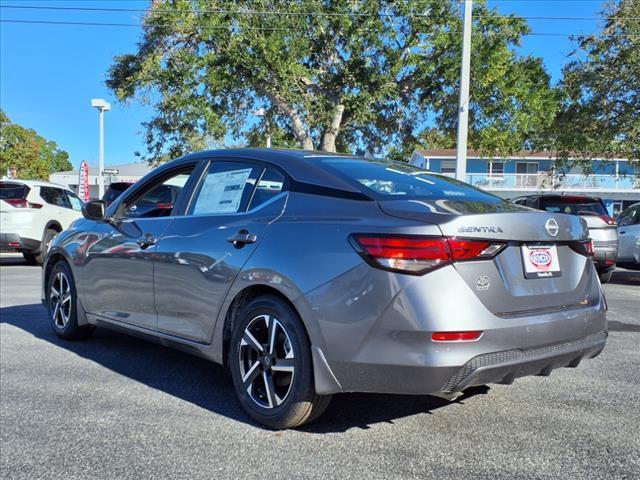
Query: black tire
605, 277
63, 307
38, 258
293, 400
31, 258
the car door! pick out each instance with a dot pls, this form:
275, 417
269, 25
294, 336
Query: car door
201, 253
117, 275
629, 233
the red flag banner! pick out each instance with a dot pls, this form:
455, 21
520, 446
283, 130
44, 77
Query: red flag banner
83, 181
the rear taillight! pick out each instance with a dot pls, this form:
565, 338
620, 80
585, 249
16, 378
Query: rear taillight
608, 220
22, 203
418, 255
468, 336
583, 248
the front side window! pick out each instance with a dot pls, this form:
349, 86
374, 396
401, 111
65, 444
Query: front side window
55, 196
159, 198
226, 188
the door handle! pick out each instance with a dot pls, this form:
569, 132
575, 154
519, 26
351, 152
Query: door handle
147, 241
241, 238
623, 232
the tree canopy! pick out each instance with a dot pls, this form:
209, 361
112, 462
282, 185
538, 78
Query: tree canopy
376, 76
33, 156
601, 86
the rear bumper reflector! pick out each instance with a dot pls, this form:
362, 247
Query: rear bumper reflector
468, 336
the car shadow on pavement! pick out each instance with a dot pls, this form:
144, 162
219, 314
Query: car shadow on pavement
206, 384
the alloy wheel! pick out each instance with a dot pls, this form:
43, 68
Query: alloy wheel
267, 362
60, 300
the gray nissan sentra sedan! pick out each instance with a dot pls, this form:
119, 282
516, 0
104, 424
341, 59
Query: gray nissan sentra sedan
308, 274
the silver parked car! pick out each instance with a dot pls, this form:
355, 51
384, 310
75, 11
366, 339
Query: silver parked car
308, 274
629, 234
602, 228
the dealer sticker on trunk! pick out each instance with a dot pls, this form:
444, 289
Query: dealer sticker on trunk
540, 261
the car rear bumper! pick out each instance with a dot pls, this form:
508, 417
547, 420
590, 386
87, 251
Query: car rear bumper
13, 242
504, 367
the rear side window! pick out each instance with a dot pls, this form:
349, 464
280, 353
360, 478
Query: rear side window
573, 206
13, 190
226, 188
55, 196
271, 184
395, 181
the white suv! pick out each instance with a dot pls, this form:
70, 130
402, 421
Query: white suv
32, 213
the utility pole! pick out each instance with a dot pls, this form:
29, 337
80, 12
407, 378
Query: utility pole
102, 107
463, 108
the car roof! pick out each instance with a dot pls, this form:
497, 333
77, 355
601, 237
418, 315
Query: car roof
558, 196
34, 183
301, 165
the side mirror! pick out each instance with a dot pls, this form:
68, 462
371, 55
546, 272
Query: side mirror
95, 210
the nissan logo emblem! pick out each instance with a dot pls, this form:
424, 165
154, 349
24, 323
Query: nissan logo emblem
552, 227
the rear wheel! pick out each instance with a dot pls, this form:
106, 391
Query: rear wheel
38, 258
31, 258
271, 366
63, 307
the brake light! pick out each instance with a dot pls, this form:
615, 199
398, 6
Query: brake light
608, 220
22, 203
583, 248
418, 255
469, 336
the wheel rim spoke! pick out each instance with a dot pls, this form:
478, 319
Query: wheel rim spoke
249, 340
284, 365
251, 375
272, 325
269, 389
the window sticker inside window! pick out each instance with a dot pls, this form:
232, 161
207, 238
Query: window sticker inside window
222, 192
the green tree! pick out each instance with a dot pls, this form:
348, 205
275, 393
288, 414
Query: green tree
601, 86
31, 155
379, 76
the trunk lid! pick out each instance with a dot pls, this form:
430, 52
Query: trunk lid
501, 283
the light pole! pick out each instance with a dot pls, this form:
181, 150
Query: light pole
463, 107
261, 112
102, 107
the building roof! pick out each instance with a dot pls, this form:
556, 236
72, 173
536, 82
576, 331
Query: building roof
137, 169
530, 154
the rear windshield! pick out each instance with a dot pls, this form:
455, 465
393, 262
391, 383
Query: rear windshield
396, 181
13, 190
572, 207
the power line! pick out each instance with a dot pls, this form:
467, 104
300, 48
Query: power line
292, 13
232, 28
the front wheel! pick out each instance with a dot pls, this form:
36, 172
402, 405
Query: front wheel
271, 366
62, 301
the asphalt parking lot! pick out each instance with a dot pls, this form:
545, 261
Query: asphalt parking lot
119, 407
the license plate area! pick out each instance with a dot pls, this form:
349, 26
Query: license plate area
540, 261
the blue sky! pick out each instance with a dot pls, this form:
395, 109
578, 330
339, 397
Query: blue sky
49, 73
